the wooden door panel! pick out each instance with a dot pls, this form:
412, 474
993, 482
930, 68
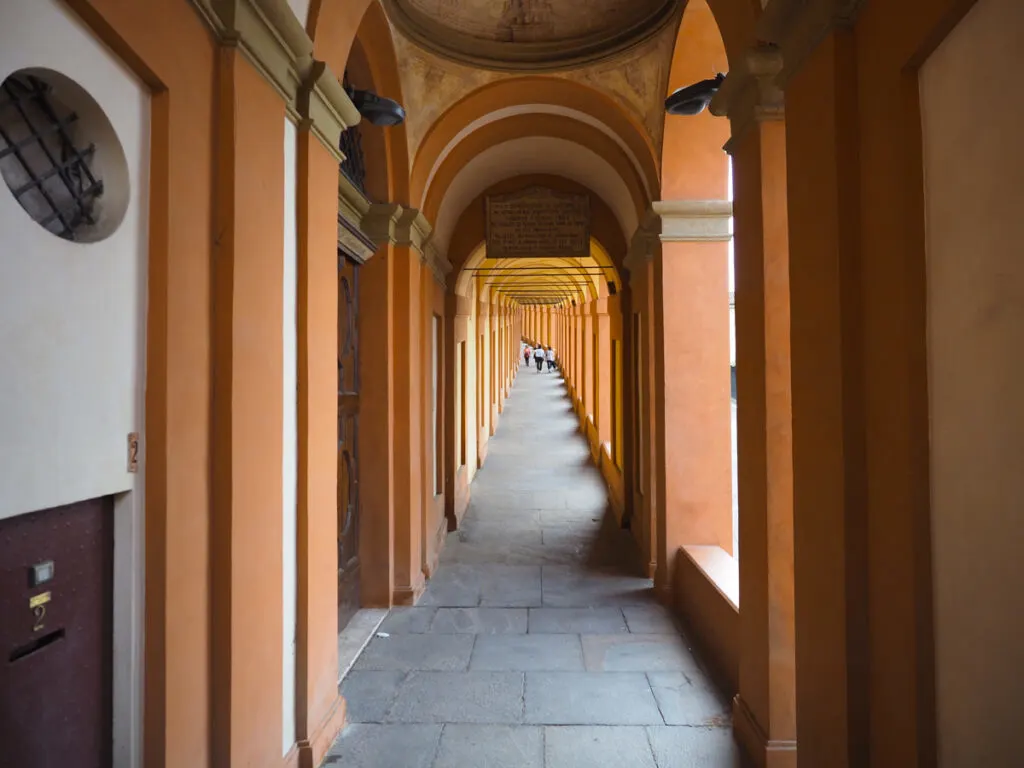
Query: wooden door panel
348, 439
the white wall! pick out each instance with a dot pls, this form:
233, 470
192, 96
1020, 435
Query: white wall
73, 338
973, 119
290, 468
71, 314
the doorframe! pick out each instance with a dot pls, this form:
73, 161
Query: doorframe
129, 510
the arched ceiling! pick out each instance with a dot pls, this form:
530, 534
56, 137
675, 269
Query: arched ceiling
516, 35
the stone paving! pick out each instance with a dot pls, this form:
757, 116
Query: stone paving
535, 643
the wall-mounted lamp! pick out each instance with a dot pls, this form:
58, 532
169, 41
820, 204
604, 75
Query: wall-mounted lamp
378, 110
694, 99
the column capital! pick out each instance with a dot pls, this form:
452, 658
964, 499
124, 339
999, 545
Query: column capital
751, 93
391, 223
274, 41
679, 221
694, 221
797, 27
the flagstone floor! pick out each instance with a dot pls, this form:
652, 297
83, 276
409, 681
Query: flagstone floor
536, 642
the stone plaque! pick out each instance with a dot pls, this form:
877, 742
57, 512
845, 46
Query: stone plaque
538, 222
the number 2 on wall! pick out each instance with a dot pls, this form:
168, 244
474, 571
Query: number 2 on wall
39, 612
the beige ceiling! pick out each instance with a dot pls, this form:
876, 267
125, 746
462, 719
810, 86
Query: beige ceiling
529, 34
636, 80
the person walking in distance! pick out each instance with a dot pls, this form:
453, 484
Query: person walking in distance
551, 359
538, 356
526, 354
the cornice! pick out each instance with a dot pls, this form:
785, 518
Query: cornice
799, 26
273, 40
750, 93
325, 107
352, 208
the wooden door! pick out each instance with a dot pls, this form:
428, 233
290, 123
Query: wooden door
348, 439
56, 630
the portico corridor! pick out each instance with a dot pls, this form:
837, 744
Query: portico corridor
536, 642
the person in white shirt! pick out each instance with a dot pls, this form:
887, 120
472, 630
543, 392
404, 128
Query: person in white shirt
551, 359
538, 357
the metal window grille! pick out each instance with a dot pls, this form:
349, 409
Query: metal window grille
351, 145
53, 178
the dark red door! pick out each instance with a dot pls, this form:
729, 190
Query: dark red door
56, 637
348, 439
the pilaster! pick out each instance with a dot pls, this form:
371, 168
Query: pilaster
764, 710
830, 488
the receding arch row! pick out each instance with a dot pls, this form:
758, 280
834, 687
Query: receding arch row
556, 146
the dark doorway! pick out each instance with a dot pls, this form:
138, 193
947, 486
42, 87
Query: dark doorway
348, 438
56, 637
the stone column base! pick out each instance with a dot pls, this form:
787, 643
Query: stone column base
764, 752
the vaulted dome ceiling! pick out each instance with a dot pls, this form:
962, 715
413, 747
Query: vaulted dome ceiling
529, 34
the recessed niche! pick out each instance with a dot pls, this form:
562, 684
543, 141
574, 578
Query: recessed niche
60, 156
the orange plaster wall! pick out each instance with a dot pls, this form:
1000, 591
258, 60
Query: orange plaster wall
332, 26
693, 165
860, 376
149, 39
248, 416
318, 436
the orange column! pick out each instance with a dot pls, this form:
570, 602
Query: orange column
692, 386
604, 370
376, 428
765, 707
641, 267
320, 711
408, 567
829, 483
246, 530
577, 349
588, 359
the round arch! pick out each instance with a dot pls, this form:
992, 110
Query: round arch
354, 36
535, 143
532, 95
693, 164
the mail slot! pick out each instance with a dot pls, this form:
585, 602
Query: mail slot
56, 619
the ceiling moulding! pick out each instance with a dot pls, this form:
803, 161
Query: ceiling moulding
275, 43
536, 55
799, 26
352, 209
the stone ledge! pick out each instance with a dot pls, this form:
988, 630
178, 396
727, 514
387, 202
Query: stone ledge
720, 568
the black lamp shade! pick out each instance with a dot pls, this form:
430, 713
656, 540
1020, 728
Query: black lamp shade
695, 98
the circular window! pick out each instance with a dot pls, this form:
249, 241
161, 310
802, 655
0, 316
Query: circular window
60, 156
